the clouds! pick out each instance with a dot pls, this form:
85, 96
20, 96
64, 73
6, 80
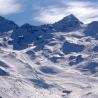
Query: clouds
9, 7
49, 12
50, 15
85, 10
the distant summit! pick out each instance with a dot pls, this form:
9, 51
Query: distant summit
68, 23
92, 29
70, 18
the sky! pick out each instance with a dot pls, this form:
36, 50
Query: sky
37, 12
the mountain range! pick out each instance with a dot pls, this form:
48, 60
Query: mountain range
58, 60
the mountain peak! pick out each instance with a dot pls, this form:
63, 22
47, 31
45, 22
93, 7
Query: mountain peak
7, 25
92, 29
94, 23
26, 25
71, 16
68, 23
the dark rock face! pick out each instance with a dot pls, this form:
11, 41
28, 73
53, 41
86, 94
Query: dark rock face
3, 73
2, 64
92, 29
49, 70
23, 36
31, 53
71, 47
76, 60
95, 49
7, 25
39, 83
90, 67
66, 91
28, 34
55, 59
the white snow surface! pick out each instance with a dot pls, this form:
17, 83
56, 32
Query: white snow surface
27, 77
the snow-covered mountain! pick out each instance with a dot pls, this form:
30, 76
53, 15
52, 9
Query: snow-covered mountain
57, 60
27, 33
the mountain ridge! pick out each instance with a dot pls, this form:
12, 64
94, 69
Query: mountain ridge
27, 34
65, 18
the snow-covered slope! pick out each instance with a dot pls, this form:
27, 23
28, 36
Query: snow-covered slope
49, 62
24, 77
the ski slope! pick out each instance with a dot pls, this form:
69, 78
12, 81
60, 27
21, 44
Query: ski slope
26, 79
